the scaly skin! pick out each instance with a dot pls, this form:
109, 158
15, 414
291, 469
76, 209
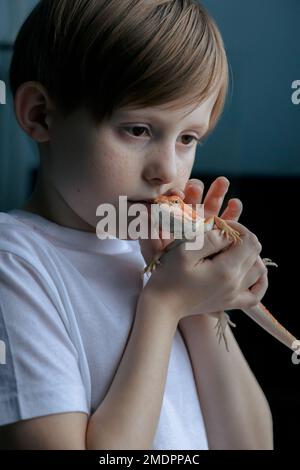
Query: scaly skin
260, 314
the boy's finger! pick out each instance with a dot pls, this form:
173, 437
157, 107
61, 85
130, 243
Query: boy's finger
258, 290
261, 286
254, 274
233, 210
193, 191
214, 243
175, 192
243, 250
215, 196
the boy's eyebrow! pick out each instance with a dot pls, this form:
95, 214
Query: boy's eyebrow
203, 127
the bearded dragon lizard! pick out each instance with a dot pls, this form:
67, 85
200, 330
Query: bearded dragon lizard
176, 208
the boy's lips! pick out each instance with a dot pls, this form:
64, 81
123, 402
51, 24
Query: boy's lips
143, 201
172, 191
147, 204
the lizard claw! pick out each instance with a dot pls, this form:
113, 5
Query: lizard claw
227, 230
152, 265
221, 324
269, 262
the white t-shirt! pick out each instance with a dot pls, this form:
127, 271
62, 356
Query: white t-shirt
67, 306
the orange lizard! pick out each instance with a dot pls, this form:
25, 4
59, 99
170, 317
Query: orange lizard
259, 313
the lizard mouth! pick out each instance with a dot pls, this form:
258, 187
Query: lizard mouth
147, 205
146, 202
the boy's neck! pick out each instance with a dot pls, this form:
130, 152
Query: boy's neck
46, 202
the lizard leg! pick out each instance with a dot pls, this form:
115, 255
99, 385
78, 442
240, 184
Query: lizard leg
153, 263
223, 227
269, 262
226, 229
223, 321
156, 258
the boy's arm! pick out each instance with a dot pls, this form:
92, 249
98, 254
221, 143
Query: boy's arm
235, 410
61, 431
128, 416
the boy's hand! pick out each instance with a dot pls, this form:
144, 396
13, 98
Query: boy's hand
246, 269
192, 282
213, 202
214, 198
193, 194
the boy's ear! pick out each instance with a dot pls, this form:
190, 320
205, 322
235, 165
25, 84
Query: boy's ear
32, 107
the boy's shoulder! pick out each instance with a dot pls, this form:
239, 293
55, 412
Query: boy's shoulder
21, 239
14, 227
43, 243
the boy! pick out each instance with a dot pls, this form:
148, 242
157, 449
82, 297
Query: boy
110, 90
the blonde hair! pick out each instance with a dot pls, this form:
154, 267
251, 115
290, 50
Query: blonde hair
107, 54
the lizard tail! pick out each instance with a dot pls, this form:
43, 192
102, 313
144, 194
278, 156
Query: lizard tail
261, 315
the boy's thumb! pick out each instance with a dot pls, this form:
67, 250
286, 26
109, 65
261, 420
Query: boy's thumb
152, 246
149, 247
214, 242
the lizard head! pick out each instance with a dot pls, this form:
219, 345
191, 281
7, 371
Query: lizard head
177, 211
170, 201
178, 205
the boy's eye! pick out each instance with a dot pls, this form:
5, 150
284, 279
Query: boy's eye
138, 131
190, 137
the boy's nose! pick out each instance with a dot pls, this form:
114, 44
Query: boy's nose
161, 168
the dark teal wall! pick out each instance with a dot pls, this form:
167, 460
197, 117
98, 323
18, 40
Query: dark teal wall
259, 133
18, 154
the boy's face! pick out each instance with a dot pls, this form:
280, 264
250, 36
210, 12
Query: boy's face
139, 153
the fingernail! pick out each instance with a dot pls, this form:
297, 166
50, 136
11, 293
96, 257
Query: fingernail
175, 192
225, 180
236, 200
196, 183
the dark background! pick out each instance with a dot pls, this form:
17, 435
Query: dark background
256, 146
270, 212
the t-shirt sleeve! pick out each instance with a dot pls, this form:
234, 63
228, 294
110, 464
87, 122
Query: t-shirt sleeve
40, 374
